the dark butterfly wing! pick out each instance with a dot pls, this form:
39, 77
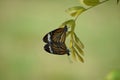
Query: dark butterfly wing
47, 37
54, 48
48, 48
57, 36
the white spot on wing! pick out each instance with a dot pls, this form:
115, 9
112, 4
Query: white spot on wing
49, 38
50, 49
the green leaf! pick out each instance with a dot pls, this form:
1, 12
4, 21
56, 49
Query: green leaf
91, 2
73, 54
69, 23
79, 57
72, 50
77, 40
70, 44
68, 33
75, 11
78, 48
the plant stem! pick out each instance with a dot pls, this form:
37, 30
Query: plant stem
97, 5
91, 7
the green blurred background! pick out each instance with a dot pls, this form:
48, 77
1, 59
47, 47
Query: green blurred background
23, 23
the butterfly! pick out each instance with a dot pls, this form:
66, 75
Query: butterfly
54, 48
56, 41
56, 36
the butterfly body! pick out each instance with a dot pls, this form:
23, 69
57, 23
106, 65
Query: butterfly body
56, 41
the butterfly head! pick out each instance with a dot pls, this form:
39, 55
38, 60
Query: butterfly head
65, 28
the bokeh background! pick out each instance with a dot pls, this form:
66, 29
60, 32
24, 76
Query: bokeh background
23, 23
